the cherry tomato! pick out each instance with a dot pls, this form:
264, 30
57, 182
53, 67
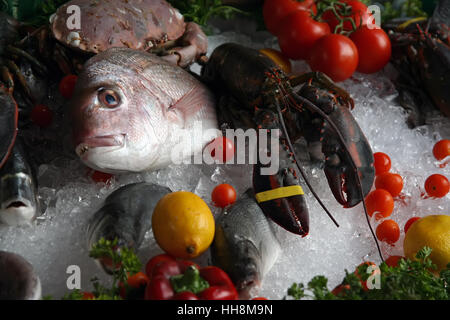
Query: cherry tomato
42, 116
136, 286
437, 186
391, 182
222, 149
359, 13
360, 277
155, 261
410, 222
298, 33
67, 85
374, 49
223, 195
388, 231
380, 202
138, 280
382, 162
260, 298
441, 149
340, 289
335, 55
274, 11
101, 177
392, 261
88, 296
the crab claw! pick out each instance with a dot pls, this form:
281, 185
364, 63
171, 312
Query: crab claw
339, 170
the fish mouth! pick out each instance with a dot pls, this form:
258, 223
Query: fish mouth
113, 142
17, 212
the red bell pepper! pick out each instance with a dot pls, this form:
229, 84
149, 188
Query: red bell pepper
172, 279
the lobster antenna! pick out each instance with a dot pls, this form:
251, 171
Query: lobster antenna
283, 126
341, 138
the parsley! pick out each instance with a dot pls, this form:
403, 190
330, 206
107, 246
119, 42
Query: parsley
410, 280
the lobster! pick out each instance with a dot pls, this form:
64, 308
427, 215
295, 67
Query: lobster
255, 93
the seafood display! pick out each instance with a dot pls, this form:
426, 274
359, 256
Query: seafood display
17, 279
244, 244
126, 215
131, 109
111, 112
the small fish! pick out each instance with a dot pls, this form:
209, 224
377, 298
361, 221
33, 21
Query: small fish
18, 280
131, 110
125, 215
18, 189
244, 245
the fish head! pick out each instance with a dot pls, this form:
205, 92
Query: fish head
117, 124
247, 269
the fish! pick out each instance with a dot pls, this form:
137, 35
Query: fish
19, 203
244, 245
18, 280
126, 215
132, 111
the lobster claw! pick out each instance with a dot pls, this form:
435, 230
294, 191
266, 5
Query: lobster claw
277, 185
339, 169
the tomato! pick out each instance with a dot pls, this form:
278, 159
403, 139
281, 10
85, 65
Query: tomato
42, 116
382, 162
380, 202
335, 55
137, 280
410, 222
363, 278
392, 261
437, 186
391, 182
67, 85
359, 13
374, 49
340, 289
153, 262
223, 195
388, 231
222, 149
441, 149
88, 296
275, 10
101, 177
298, 33
260, 298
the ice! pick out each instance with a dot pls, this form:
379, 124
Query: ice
57, 239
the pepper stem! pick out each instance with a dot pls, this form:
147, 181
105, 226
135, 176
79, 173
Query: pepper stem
189, 281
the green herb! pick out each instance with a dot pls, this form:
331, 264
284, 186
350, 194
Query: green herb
46, 9
409, 8
410, 280
200, 11
125, 263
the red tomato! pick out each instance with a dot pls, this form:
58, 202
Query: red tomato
391, 182
88, 296
363, 282
380, 202
223, 195
275, 10
437, 186
298, 33
335, 55
222, 149
138, 280
388, 231
67, 85
392, 261
441, 149
42, 116
410, 222
340, 288
382, 162
101, 177
359, 13
374, 49
260, 298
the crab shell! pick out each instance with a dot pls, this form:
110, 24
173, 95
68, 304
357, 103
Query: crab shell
136, 24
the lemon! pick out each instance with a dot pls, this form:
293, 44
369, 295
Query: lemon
183, 224
431, 231
279, 59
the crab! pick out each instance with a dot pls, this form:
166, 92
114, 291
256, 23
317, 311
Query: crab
149, 25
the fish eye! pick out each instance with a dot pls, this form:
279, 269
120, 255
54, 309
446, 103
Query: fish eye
109, 98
